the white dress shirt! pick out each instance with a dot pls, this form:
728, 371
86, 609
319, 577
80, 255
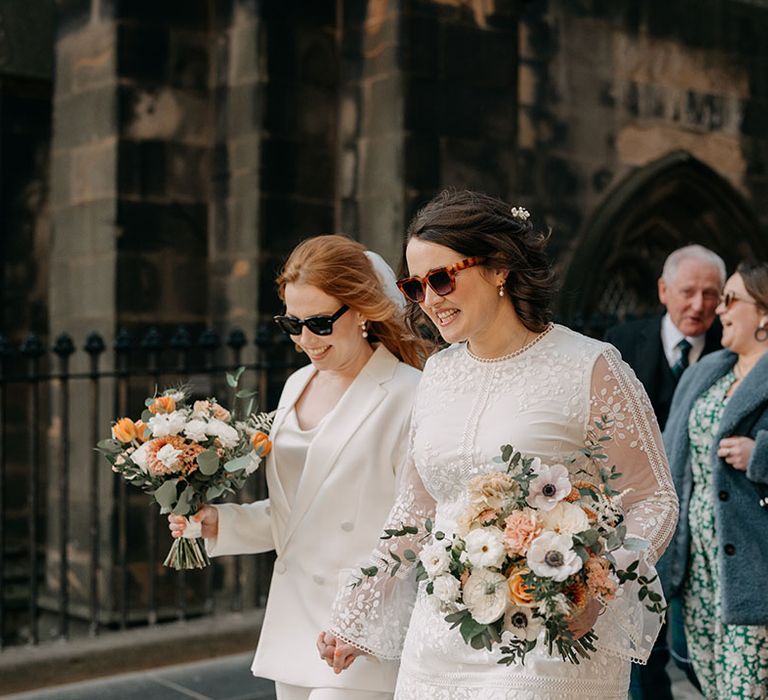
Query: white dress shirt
671, 336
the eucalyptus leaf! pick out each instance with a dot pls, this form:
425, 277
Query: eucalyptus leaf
166, 494
110, 445
145, 416
231, 380
238, 463
208, 462
635, 544
245, 394
214, 492
184, 504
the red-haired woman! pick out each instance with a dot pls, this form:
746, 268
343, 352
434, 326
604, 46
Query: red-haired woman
339, 438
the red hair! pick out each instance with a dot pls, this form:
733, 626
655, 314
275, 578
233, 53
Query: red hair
339, 267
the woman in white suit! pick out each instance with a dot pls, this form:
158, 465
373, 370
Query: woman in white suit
339, 438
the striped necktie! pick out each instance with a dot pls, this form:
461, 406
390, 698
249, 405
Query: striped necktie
685, 350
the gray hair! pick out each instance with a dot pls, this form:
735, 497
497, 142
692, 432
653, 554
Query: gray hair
692, 252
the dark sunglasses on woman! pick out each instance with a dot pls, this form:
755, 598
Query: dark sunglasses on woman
319, 325
441, 280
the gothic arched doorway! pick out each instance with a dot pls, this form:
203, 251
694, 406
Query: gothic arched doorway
667, 204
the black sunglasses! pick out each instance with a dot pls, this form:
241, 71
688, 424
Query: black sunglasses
319, 325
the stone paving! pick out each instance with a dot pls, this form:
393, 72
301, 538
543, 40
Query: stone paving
225, 678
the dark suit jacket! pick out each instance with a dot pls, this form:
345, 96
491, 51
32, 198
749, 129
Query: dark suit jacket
639, 343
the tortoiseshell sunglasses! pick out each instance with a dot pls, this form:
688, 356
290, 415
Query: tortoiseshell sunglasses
442, 280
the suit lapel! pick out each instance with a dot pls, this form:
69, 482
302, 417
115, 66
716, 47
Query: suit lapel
358, 402
648, 357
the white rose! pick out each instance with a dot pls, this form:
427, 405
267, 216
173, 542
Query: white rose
485, 547
565, 518
168, 455
552, 555
485, 595
435, 558
164, 424
226, 433
139, 457
446, 589
195, 430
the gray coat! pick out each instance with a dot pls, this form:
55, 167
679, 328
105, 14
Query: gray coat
741, 523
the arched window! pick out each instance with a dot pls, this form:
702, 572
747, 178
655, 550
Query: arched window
662, 206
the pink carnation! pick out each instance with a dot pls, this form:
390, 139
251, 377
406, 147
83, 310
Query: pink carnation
522, 527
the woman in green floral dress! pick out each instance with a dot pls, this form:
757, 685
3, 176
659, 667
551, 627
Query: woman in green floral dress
717, 441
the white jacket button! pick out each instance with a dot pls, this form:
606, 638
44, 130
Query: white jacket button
319, 580
347, 527
280, 567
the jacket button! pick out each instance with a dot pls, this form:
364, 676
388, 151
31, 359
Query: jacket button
347, 527
280, 567
724, 496
319, 580
729, 549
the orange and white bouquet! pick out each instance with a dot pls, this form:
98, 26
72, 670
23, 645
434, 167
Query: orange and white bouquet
534, 545
186, 455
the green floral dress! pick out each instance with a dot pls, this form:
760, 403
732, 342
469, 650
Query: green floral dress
731, 661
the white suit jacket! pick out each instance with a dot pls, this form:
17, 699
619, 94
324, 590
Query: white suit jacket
346, 491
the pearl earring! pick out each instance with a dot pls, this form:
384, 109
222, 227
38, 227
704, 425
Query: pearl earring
362, 327
501, 289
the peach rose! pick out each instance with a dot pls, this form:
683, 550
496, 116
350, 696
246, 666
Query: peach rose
492, 489
522, 527
221, 413
201, 407
163, 404
261, 443
519, 592
124, 430
476, 515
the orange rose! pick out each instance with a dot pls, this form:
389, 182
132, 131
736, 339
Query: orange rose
519, 592
261, 443
124, 430
141, 431
163, 404
221, 413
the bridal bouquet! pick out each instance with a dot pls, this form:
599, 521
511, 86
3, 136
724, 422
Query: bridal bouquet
533, 546
187, 455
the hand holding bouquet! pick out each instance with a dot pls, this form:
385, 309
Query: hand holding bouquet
188, 455
534, 549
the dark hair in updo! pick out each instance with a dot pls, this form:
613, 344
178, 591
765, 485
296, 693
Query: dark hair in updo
476, 224
755, 277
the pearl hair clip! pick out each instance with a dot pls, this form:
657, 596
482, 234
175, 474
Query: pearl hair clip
521, 213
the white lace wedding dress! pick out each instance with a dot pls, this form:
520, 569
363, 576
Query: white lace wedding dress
541, 400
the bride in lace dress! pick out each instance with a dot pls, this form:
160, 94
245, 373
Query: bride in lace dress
509, 376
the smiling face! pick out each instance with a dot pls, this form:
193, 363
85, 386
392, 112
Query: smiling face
691, 296
471, 309
345, 347
741, 318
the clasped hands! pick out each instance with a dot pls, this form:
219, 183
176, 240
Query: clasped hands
338, 655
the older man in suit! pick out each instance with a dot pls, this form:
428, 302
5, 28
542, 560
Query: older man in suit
659, 349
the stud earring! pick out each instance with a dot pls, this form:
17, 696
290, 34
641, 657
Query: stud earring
363, 329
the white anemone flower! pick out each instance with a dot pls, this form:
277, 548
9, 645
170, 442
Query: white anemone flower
485, 547
552, 555
226, 433
565, 519
436, 559
446, 589
551, 485
195, 430
164, 424
521, 623
485, 595
168, 455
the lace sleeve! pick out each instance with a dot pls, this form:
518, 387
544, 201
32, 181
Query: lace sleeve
372, 612
628, 629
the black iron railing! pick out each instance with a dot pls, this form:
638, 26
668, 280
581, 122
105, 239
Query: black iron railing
78, 547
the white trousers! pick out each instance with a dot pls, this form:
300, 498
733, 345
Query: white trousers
283, 691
